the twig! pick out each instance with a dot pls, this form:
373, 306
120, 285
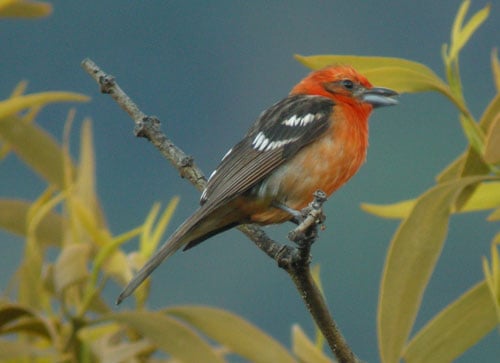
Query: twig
294, 260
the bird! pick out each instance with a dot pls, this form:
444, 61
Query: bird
316, 138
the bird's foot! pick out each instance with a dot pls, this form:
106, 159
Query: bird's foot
308, 220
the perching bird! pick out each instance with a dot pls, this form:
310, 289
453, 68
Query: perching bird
315, 138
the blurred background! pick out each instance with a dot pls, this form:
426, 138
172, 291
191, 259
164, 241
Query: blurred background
207, 69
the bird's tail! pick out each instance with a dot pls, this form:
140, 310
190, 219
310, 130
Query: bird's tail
197, 228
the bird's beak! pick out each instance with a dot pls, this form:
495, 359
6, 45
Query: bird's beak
378, 97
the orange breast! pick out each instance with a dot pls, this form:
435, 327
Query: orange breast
325, 164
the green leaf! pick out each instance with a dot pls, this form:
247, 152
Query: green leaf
233, 332
33, 326
453, 170
13, 105
170, 335
13, 218
15, 349
24, 9
473, 132
365, 63
490, 114
459, 19
494, 216
85, 181
126, 352
304, 349
71, 266
474, 164
492, 276
406, 80
412, 255
495, 67
11, 312
461, 34
16, 318
455, 329
399, 74
397, 210
35, 147
492, 148
104, 346
484, 196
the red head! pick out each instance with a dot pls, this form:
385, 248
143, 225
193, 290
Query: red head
345, 85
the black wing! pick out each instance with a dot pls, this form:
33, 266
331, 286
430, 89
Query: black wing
278, 134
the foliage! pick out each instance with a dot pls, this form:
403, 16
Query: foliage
24, 9
470, 183
57, 311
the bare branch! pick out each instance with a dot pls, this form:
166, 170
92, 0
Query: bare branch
294, 260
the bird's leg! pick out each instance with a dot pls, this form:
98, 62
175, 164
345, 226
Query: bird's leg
311, 216
297, 215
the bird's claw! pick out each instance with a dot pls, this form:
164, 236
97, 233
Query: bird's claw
308, 220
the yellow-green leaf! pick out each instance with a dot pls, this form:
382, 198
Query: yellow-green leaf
399, 74
495, 66
11, 312
13, 214
412, 255
474, 164
19, 89
31, 289
233, 332
492, 144
13, 350
151, 234
125, 352
492, 277
71, 266
461, 35
455, 329
473, 132
102, 340
24, 9
113, 260
395, 210
485, 196
85, 180
91, 333
169, 335
459, 19
35, 147
494, 216
453, 170
16, 318
304, 349
366, 63
14, 105
32, 326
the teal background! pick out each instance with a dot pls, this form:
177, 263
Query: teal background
207, 69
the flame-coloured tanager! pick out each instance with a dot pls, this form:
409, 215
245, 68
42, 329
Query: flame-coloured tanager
315, 138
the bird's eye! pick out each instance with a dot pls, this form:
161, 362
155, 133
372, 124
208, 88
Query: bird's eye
348, 84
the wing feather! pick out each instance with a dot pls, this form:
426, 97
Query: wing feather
287, 127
